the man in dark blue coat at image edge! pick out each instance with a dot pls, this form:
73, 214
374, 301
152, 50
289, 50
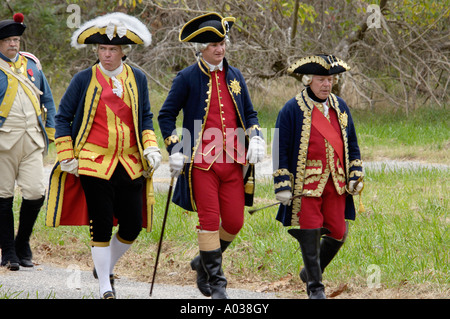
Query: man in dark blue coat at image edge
317, 167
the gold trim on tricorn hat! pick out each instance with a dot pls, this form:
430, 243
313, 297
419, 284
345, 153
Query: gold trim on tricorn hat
113, 28
319, 65
207, 28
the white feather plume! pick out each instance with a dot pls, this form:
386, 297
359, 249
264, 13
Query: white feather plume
118, 19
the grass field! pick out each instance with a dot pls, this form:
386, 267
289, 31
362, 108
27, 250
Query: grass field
397, 248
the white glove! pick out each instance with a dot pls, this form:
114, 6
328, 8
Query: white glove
176, 163
70, 166
352, 190
256, 150
153, 156
284, 197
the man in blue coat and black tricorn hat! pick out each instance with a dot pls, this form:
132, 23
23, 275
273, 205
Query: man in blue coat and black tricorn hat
317, 167
221, 143
26, 127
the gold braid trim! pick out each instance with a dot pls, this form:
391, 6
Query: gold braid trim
356, 163
356, 173
343, 122
64, 148
318, 60
149, 138
283, 184
253, 130
302, 153
171, 140
281, 172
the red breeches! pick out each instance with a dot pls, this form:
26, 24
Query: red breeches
219, 196
326, 211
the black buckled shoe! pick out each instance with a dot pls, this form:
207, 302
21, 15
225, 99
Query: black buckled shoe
109, 295
111, 279
11, 265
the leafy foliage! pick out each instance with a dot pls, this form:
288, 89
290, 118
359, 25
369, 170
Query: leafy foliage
401, 60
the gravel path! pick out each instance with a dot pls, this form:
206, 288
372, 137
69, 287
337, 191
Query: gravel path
264, 169
48, 281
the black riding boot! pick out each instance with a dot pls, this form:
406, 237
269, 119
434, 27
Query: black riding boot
9, 258
309, 240
29, 212
212, 263
329, 247
202, 276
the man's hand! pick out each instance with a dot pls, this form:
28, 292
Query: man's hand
70, 166
355, 191
284, 197
176, 163
153, 156
256, 150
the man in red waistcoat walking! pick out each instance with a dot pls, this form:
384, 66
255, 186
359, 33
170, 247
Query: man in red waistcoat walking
316, 154
219, 121
106, 146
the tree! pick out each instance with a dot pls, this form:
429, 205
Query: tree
398, 49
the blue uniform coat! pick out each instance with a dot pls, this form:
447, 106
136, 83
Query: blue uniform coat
34, 73
290, 147
66, 204
190, 92
72, 105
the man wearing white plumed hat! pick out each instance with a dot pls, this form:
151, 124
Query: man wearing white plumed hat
106, 146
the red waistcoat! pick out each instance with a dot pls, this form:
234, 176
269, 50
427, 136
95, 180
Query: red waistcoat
112, 137
222, 140
323, 161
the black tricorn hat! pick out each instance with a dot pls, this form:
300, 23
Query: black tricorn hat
319, 65
210, 27
11, 28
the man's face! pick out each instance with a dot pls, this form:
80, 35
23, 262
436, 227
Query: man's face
10, 46
110, 56
321, 85
214, 53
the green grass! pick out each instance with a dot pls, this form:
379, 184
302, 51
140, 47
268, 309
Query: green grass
423, 135
11, 294
404, 230
403, 233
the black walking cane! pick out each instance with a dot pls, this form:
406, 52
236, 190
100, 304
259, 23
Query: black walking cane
252, 211
162, 233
